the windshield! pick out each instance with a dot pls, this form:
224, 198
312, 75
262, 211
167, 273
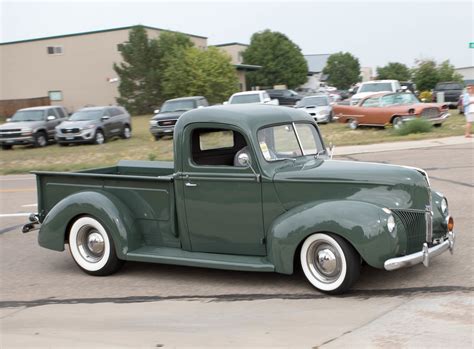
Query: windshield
289, 141
183, 105
376, 87
320, 101
86, 115
398, 99
28, 115
241, 99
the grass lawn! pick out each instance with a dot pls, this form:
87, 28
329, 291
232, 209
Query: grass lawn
142, 146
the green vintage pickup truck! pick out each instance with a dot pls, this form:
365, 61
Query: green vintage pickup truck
254, 188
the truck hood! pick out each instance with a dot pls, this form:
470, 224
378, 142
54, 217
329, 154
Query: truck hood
389, 186
21, 125
168, 116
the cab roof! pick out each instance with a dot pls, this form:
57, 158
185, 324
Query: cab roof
248, 117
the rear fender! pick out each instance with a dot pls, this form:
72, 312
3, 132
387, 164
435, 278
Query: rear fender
109, 210
362, 224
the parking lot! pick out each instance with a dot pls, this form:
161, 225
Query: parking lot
47, 301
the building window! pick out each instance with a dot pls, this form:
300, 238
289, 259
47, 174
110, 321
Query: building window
240, 57
55, 50
55, 95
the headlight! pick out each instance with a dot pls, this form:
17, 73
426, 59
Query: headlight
89, 126
444, 206
391, 224
26, 131
153, 122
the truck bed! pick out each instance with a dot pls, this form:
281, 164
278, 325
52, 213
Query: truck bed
145, 187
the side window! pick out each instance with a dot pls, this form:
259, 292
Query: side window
52, 112
216, 147
106, 112
60, 112
371, 102
115, 111
203, 102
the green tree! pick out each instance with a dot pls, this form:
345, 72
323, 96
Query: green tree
281, 60
425, 75
343, 70
206, 73
138, 73
394, 71
446, 72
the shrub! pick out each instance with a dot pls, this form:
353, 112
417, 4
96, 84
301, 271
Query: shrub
417, 125
426, 96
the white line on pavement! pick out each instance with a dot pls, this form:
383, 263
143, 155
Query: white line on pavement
29, 205
29, 178
14, 215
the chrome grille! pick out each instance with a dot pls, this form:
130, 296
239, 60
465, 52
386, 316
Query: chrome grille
10, 135
70, 130
415, 225
430, 113
167, 122
11, 130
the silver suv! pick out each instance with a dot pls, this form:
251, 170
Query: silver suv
31, 126
95, 125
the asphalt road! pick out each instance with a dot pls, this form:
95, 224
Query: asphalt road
47, 301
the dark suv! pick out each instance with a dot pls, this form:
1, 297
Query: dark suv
285, 97
33, 126
95, 125
451, 90
162, 123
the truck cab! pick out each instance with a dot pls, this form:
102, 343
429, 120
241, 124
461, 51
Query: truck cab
252, 187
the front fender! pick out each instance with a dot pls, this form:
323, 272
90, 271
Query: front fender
362, 224
108, 209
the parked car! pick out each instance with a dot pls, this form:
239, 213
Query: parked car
451, 91
370, 87
251, 188
94, 125
285, 97
318, 106
162, 123
258, 97
408, 86
31, 126
384, 109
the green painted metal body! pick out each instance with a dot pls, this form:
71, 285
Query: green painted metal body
232, 219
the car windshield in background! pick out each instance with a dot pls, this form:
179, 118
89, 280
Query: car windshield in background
86, 115
398, 99
28, 115
375, 87
289, 141
173, 106
242, 99
449, 87
315, 101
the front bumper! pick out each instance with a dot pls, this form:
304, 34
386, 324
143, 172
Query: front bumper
161, 131
438, 120
80, 137
17, 140
423, 256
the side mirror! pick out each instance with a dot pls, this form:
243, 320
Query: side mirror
226, 102
243, 159
105, 117
8, 120
50, 118
156, 111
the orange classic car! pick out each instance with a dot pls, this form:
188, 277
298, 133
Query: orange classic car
384, 109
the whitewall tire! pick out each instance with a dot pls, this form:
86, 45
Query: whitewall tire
92, 247
329, 263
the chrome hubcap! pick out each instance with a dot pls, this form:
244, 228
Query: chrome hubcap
324, 261
90, 244
41, 141
126, 132
100, 138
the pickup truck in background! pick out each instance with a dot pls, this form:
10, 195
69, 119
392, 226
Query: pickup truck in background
451, 90
252, 187
162, 123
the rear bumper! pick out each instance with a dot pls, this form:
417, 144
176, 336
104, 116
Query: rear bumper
423, 256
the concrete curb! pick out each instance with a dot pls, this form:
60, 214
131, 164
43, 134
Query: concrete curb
392, 146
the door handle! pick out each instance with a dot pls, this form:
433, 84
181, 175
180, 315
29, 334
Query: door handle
188, 184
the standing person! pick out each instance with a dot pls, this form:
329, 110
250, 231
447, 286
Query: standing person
468, 103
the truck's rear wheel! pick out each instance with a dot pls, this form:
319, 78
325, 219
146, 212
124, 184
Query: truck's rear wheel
92, 247
329, 263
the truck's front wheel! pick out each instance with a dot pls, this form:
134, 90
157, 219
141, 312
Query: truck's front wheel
329, 263
92, 248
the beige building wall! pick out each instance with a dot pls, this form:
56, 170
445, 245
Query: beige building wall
234, 50
83, 72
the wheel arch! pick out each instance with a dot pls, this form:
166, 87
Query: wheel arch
115, 216
359, 223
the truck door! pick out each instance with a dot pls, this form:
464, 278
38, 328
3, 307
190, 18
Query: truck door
223, 202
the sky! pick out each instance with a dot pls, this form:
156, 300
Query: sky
376, 32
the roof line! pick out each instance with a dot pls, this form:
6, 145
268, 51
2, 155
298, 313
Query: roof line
97, 32
230, 44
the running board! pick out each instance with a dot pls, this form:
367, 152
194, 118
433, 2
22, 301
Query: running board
167, 255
